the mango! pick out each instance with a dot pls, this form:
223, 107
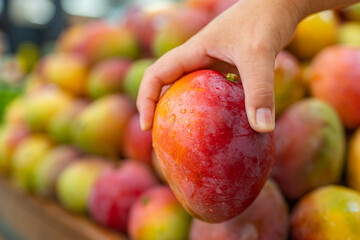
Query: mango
215, 163
112, 194
287, 82
310, 148
28, 155
315, 33
100, 128
335, 79
76, 181
60, 126
41, 106
134, 76
331, 213
353, 164
256, 222
177, 29
53, 163
108, 77
157, 215
67, 71
10, 138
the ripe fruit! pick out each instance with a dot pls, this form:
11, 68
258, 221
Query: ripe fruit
100, 128
28, 155
335, 78
157, 215
331, 212
265, 218
67, 71
353, 164
138, 143
310, 148
60, 126
145, 18
134, 76
53, 163
208, 5
177, 29
15, 112
352, 13
349, 34
315, 33
104, 41
287, 82
215, 163
70, 39
10, 138
222, 5
76, 181
116, 190
42, 105
108, 77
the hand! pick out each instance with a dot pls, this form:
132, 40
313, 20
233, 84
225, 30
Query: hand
248, 36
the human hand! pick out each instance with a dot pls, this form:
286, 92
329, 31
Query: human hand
248, 36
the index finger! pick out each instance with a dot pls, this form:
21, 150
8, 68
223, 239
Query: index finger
164, 71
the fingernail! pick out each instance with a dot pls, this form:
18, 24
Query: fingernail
142, 124
264, 119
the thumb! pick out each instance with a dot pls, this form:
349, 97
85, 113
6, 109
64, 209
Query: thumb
257, 74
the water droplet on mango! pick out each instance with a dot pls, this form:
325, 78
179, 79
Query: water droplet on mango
172, 118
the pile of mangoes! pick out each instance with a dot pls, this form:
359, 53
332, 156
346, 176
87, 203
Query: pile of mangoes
74, 134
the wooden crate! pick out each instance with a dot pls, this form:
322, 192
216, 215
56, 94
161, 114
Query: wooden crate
35, 218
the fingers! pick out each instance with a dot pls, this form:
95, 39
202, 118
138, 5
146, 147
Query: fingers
257, 74
169, 68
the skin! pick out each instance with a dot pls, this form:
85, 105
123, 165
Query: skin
240, 38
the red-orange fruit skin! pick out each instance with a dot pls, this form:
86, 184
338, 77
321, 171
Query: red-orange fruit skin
215, 163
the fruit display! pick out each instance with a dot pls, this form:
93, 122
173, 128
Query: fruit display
72, 134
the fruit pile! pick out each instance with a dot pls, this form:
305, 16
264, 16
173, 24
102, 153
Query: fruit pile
74, 134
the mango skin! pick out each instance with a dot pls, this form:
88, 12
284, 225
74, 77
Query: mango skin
15, 112
70, 39
102, 41
108, 77
60, 126
222, 5
256, 222
134, 76
28, 155
353, 163
67, 71
157, 215
116, 190
352, 13
215, 163
208, 5
287, 82
41, 106
330, 213
335, 79
314, 33
177, 29
143, 20
138, 143
11, 137
53, 163
349, 34
100, 128
76, 181
310, 148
